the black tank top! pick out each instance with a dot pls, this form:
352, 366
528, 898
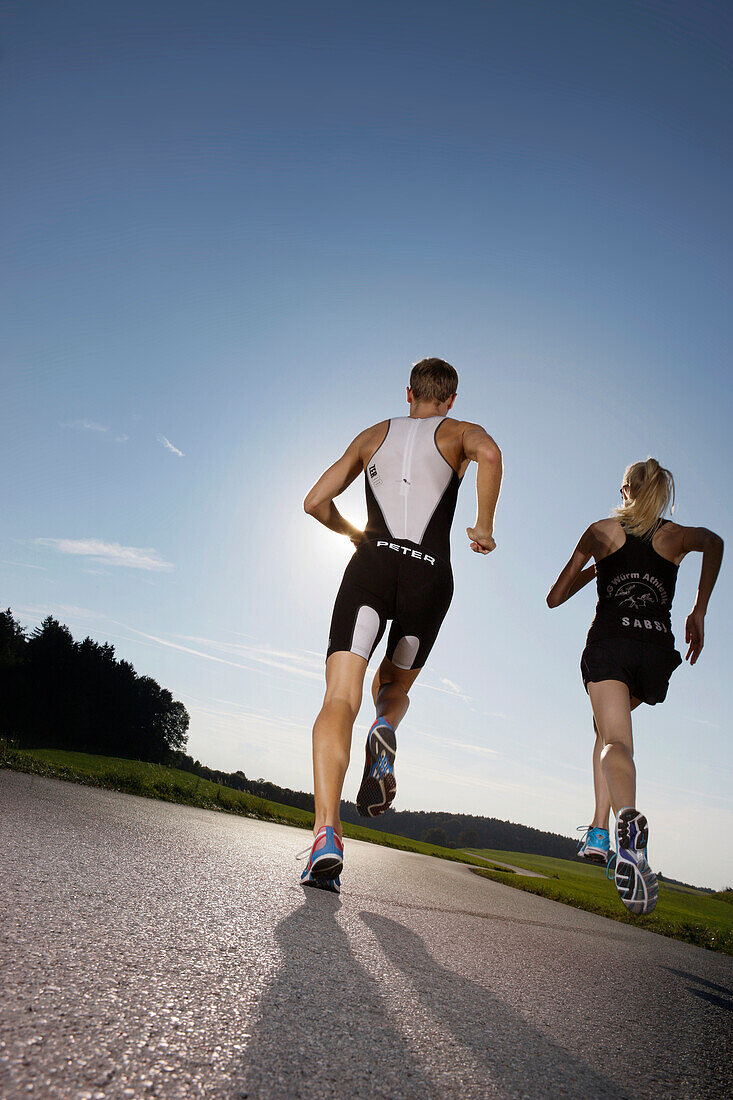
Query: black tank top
635, 591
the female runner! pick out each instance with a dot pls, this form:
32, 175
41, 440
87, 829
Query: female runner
630, 651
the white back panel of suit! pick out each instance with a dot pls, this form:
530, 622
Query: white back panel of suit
411, 476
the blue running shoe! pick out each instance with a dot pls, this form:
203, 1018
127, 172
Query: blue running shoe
635, 881
378, 784
595, 845
325, 861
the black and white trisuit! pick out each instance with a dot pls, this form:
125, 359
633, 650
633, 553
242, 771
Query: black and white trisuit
401, 570
631, 637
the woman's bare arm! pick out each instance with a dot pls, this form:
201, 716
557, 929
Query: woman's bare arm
574, 576
711, 546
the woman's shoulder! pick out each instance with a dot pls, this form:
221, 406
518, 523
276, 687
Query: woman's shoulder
669, 541
671, 528
605, 536
607, 526
607, 530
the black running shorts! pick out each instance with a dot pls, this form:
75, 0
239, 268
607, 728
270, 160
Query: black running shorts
644, 668
391, 580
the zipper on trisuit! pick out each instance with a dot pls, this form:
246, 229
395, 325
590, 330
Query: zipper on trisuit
407, 465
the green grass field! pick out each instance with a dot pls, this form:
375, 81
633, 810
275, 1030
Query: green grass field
682, 913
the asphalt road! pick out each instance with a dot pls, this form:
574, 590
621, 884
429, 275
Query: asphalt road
157, 950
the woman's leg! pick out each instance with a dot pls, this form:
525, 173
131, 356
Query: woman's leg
600, 790
389, 691
611, 704
600, 787
332, 734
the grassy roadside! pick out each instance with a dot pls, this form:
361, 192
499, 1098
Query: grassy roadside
681, 913
174, 785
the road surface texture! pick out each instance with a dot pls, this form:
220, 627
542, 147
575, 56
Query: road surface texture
157, 950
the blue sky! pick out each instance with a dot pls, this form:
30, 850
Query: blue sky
232, 229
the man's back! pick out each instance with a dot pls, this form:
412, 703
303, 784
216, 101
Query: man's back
411, 488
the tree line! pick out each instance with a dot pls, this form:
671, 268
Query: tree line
61, 694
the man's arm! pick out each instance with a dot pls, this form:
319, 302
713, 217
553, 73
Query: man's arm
574, 576
479, 447
711, 545
319, 501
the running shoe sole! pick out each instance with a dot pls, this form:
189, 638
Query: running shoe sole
327, 866
593, 855
331, 884
635, 881
378, 784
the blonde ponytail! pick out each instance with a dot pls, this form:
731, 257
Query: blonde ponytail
650, 491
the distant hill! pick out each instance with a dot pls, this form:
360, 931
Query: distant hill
466, 831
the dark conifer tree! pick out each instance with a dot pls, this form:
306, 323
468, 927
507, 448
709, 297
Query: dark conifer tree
58, 693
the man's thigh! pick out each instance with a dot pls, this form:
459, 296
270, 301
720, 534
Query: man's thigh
345, 678
422, 600
363, 605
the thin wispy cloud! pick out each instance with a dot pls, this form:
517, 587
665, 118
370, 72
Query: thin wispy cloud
302, 663
465, 746
447, 687
36, 612
451, 685
165, 442
166, 643
240, 713
85, 425
472, 780
25, 565
250, 658
705, 797
110, 553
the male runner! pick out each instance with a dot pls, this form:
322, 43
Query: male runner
401, 571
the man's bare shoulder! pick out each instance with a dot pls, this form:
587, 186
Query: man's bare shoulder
476, 442
462, 426
370, 438
374, 429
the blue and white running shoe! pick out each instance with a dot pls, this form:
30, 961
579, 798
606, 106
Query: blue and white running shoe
325, 861
378, 784
595, 845
635, 881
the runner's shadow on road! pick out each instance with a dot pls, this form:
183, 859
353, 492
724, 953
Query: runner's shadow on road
323, 1028
519, 1058
724, 1002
